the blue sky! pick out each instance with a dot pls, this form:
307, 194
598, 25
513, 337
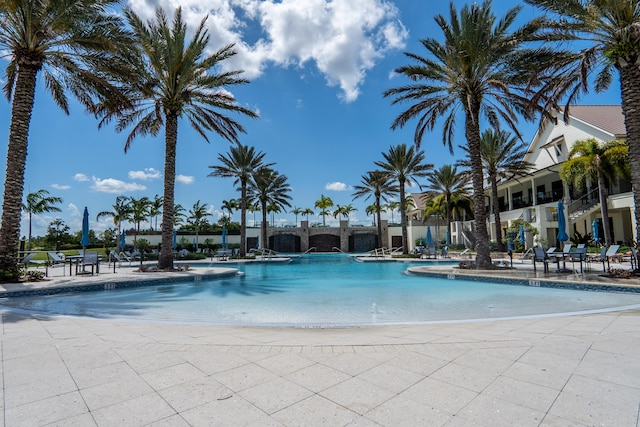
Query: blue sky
317, 69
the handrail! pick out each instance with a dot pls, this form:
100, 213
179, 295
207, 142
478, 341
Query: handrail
337, 249
585, 201
312, 248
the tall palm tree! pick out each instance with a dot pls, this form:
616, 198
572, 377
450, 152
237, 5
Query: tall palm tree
308, 211
404, 165
121, 211
268, 187
155, 209
38, 203
393, 205
609, 42
140, 212
68, 43
229, 206
590, 160
253, 208
379, 185
324, 203
344, 211
197, 217
296, 211
502, 158
476, 71
446, 181
240, 164
175, 78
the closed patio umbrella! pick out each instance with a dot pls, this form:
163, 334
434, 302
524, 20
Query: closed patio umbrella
123, 242
448, 236
429, 238
175, 239
562, 223
594, 228
84, 241
522, 234
224, 238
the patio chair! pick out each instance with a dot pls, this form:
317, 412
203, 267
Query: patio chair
578, 255
89, 259
539, 255
611, 255
28, 258
56, 258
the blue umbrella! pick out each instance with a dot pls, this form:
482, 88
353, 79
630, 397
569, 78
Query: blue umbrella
562, 224
257, 242
175, 239
595, 230
122, 240
522, 234
224, 237
448, 237
428, 239
85, 229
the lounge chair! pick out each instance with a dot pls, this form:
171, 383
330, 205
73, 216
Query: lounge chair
611, 255
465, 254
56, 258
28, 259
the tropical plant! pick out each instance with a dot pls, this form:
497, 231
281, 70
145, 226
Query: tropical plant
179, 215
502, 158
308, 211
404, 165
197, 217
175, 78
446, 181
229, 206
69, 43
478, 70
155, 209
296, 211
253, 208
379, 185
240, 164
608, 35
268, 187
393, 205
57, 231
38, 203
121, 212
590, 160
324, 203
344, 211
139, 212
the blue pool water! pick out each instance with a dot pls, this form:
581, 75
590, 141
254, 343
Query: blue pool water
323, 290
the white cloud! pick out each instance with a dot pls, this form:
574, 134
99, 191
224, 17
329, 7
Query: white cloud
184, 179
342, 38
60, 186
111, 185
80, 177
148, 173
337, 186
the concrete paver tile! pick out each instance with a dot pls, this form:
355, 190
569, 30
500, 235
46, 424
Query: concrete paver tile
315, 411
404, 412
82, 420
46, 411
440, 395
171, 421
234, 411
134, 412
418, 362
489, 411
191, 394
246, 376
275, 395
357, 395
213, 362
351, 364
522, 393
463, 376
172, 375
282, 364
317, 377
107, 394
548, 377
390, 377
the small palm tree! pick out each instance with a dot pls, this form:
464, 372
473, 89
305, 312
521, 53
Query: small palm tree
446, 181
38, 203
197, 217
404, 165
308, 211
240, 164
268, 188
155, 209
179, 215
324, 203
344, 211
139, 212
393, 205
590, 160
478, 71
121, 212
70, 44
379, 185
229, 206
175, 78
296, 211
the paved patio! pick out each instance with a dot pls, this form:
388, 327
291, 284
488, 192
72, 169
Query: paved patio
561, 371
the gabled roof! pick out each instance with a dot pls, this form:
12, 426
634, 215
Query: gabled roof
609, 118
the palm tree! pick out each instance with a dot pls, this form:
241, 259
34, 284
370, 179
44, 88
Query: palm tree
38, 203
308, 211
379, 185
155, 209
324, 203
393, 205
179, 215
240, 164
404, 165
609, 41
175, 78
140, 212
69, 43
197, 217
345, 211
229, 206
476, 71
502, 158
446, 181
121, 212
296, 211
253, 208
590, 160
268, 187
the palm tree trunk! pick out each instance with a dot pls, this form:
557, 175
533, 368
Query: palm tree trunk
379, 223
630, 85
263, 227
21, 110
243, 218
604, 210
165, 260
472, 131
403, 221
496, 212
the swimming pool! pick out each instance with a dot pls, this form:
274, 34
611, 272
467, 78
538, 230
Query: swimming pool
323, 290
